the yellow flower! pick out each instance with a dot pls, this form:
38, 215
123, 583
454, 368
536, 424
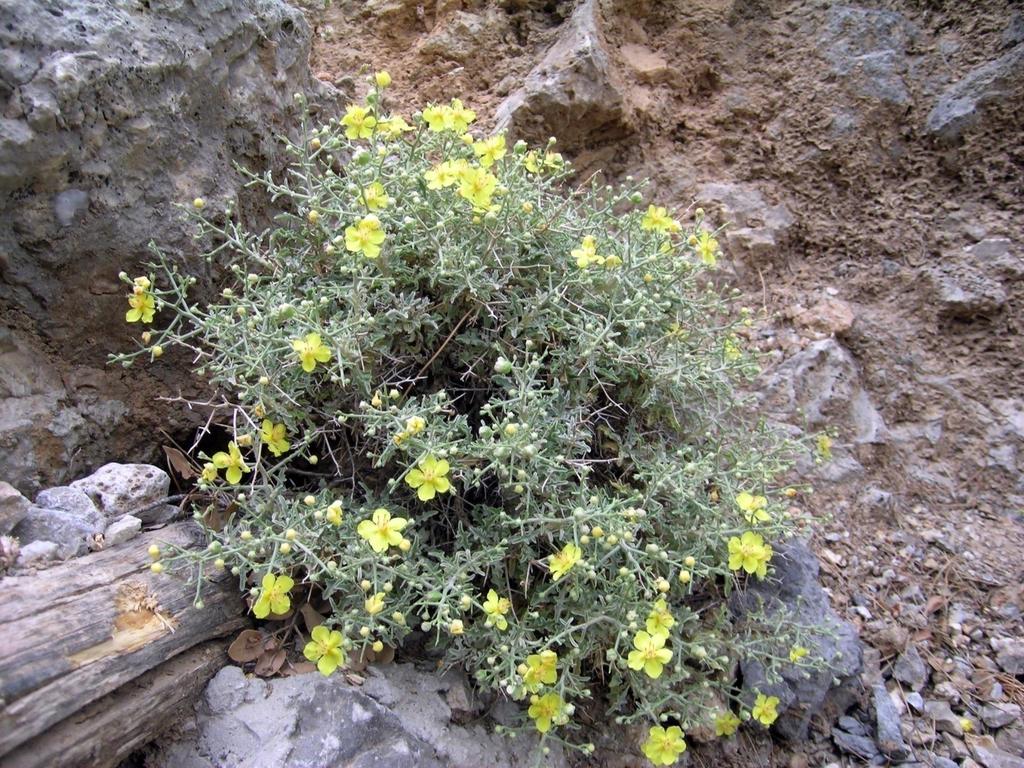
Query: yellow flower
660, 620
541, 669
477, 186
209, 473
375, 197
382, 78
657, 220
374, 604
707, 248
726, 724
333, 515
393, 127
825, 447
552, 161
750, 553
429, 478
548, 710
664, 745
967, 725
496, 607
445, 174
586, 254
142, 304
231, 461
764, 710
731, 349
325, 649
650, 655
797, 652
274, 596
382, 531
358, 121
365, 236
415, 424
275, 436
437, 118
457, 627
490, 151
459, 117
562, 562
753, 507
311, 351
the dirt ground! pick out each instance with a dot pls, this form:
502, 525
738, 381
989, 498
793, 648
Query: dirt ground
825, 113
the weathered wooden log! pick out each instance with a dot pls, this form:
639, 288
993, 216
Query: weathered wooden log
106, 732
73, 633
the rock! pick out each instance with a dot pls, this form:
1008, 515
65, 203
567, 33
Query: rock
867, 48
456, 38
859, 746
649, 66
987, 752
963, 292
823, 385
72, 500
757, 230
96, 95
829, 316
963, 104
37, 552
942, 717
995, 256
396, 719
916, 702
121, 530
887, 725
910, 669
1009, 655
571, 93
794, 592
13, 507
68, 531
937, 761
1011, 739
999, 715
119, 489
853, 725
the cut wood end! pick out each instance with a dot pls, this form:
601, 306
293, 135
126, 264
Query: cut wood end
139, 621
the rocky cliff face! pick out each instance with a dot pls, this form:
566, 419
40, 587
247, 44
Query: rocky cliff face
114, 112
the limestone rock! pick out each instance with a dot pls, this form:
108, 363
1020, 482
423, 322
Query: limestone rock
910, 669
114, 111
1000, 714
822, 383
794, 591
649, 66
72, 500
119, 489
988, 753
13, 507
36, 553
571, 93
756, 229
887, 725
456, 38
70, 532
962, 105
1010, 655
396, 719
121, 530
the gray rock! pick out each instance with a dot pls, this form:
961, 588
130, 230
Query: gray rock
999, 715
793, 591
13, 507
853, 725
996, 256
887, 725
570, 93
758, 230
396, 719
73, 501
456, 38
867, 49
860, 746
1009, 654
69, 532
910, 669
936, 761
942, 717
963, 291
822, 386
916, 702
988, 753
962, 105
121, 530
96, 95
37, 552
1010, 739
119, 489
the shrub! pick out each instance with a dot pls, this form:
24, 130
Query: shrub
471, 403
